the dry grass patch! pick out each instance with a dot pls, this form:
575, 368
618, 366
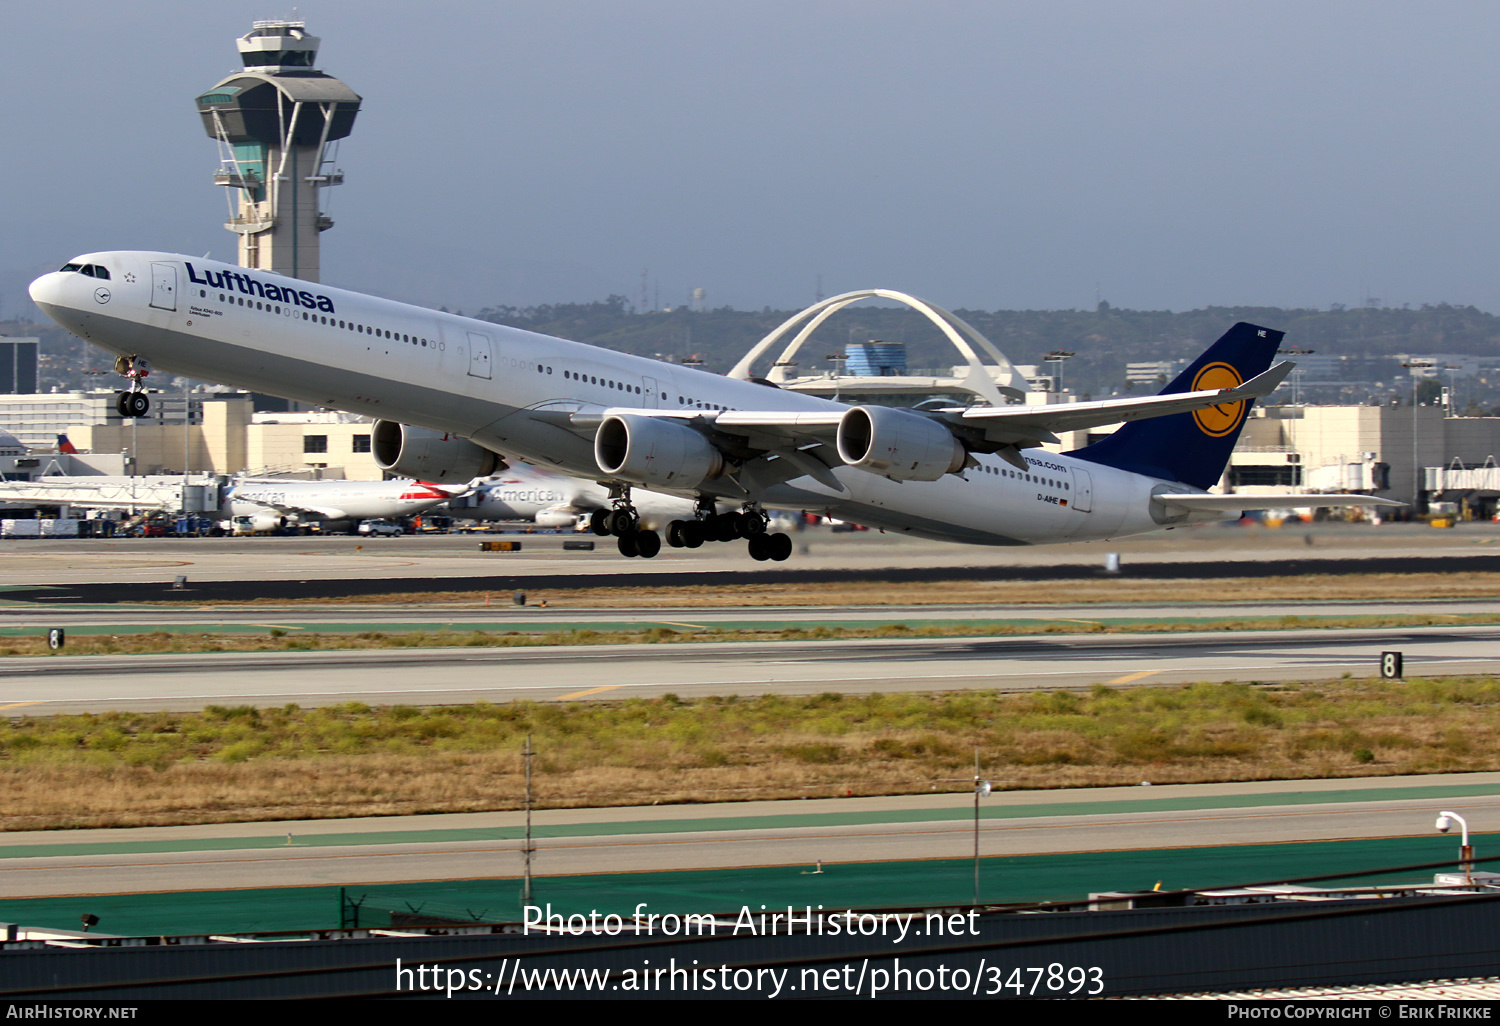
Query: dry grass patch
279, 640
243, 763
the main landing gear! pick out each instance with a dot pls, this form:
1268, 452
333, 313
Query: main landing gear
134, 403
625, 524
710, 525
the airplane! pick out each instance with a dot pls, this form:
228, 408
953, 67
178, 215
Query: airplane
260, 504
273, 503
551, 499
454, 393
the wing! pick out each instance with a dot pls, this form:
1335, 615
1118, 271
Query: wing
1231, 503
803, 443
1028, 426
288, 509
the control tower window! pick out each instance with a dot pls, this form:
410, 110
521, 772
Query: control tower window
280, 58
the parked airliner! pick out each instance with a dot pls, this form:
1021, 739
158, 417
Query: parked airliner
552, 499
454, 393
269, 503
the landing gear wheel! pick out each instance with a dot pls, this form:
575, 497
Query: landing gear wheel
674, 535
647, 543
752, 524
725, 527
760, 547
692, 533
627, 545
779, 546
132, 404
599, 522
621, 523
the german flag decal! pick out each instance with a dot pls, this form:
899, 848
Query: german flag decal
1218, 421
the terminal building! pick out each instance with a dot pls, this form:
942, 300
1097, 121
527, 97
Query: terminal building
220, 434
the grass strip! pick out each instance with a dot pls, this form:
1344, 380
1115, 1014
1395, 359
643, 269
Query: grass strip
228, 764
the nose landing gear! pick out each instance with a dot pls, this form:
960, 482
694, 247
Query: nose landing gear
134, 403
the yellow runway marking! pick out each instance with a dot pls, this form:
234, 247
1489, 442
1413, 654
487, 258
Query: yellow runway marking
590, 691
1134, 676
17, 705
278, 626
674, 623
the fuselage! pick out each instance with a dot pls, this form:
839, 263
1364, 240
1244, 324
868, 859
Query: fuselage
512, 390
334, 500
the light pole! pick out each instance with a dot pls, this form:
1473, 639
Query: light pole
981, 788
1296, 374
1057, 358
1416, 464
1466, 851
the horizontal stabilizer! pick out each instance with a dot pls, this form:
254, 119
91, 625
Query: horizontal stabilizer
1230, 503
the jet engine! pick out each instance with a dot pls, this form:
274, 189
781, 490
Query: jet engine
429, 455
898, 444
557, 516
658, 453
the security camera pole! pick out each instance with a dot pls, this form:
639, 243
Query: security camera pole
1466, 851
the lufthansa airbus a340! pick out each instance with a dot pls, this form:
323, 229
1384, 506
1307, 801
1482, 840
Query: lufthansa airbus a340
454, 395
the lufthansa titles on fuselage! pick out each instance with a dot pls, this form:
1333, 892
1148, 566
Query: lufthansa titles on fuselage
229, 281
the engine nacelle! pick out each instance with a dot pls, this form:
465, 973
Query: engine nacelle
555, 517
429, 455
898, 444
659, 453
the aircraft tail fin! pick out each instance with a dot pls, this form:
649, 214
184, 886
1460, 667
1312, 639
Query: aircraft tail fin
1193, 447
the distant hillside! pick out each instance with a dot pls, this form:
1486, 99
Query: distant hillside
1105, 339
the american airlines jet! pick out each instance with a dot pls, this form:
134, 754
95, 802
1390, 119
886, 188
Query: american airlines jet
551, 499
269, 503
454, 393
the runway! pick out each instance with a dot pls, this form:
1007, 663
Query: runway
243, 569
691, 670
588, 841
502, 615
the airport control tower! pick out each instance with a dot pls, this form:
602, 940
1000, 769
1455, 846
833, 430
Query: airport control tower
278, 123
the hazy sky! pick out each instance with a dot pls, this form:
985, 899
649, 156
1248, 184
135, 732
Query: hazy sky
979, 154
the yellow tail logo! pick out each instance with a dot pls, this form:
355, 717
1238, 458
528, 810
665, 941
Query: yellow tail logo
1219, 421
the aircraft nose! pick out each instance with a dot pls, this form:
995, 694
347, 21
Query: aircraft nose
47, 290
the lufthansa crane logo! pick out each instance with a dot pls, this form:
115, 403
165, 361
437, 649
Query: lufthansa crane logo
101, 295
1220, 420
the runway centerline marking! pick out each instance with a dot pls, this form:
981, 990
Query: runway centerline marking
1135, 676
590, 691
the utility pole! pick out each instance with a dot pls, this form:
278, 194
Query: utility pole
528, 851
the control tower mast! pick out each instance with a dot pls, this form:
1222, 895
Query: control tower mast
278, 124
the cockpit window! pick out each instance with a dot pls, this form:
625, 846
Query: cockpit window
101, 272
72, 267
